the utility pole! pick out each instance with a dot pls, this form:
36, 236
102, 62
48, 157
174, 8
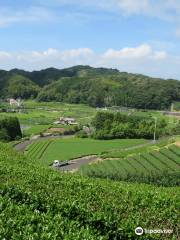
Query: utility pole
172, 107
155, 127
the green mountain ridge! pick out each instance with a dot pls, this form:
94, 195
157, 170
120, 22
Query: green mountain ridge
97, 87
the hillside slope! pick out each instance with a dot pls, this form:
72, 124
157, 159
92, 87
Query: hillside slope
39, 203
97, 87
17, 86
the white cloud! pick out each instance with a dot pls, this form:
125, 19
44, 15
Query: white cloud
136, 52
134, 6
166, 10
48, 10
34, 14
177, 32
141, 59
159, 8
4, 55
160, 55
143, 51
62, 55
75, 53
51, 52
42, 59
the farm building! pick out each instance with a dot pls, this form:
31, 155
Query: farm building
66, 121
56, 130
14, 102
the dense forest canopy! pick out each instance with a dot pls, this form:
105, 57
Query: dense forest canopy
97, 87
116, 125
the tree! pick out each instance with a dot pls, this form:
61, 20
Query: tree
10, 129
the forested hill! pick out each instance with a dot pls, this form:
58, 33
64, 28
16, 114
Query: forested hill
94, 86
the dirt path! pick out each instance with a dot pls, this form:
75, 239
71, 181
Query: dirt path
140, 145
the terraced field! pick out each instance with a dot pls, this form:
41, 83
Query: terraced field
70, 148
37, 149
158, 163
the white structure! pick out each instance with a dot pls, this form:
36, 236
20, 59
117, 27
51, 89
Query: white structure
66, 121
88, 130
57, 122
56, 163
14, 102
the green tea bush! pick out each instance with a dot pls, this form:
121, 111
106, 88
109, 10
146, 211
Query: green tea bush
161, 168
43, 204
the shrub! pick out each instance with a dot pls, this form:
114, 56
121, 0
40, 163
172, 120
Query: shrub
10, 129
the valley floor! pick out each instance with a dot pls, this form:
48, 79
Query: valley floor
110, 186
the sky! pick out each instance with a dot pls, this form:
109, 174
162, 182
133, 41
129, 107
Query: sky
138, 36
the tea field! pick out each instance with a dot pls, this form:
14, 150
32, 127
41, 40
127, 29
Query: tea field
70, 148
161, 166
43, 204
36, 150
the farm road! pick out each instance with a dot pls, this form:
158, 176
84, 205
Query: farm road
137, 146
75, 164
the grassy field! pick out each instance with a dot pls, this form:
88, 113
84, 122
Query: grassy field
65, 149
139, 167
35, 129
39, 203
40, 116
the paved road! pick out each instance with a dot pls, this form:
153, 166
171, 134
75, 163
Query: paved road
75, 164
